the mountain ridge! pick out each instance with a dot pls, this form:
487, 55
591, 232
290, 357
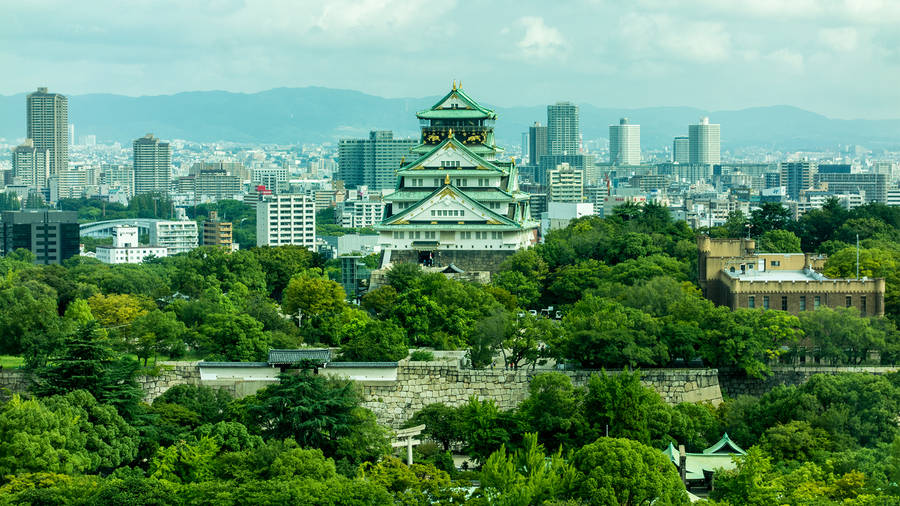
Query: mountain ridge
318, 114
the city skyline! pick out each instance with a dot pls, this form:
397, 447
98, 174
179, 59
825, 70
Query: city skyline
835, 58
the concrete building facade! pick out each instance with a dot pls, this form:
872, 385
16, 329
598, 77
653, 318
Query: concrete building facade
177, 236
286, 219
704, 142
152, 165
31, 165
563, 129
624, 143
372, 162
53, 236
47, 118
125, 248
733, 274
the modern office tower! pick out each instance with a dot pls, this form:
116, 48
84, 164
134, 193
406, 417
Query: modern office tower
875, 186
373, 162
772, 179
624, 143
681, 150
31, 165
47, 116
704, 144
797, 177
272, 177
71, 131
118, 176
177, 236
152, 165
53, 236
566, 184
217, 233
286, 219
537, 143
562, 129
125, 248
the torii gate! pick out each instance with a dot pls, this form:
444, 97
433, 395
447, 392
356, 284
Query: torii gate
405, 437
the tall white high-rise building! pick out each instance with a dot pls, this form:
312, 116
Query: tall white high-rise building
286, 219
625, 143
31, 165
704, 142
563, 132
47, 118
566, 184
152, 165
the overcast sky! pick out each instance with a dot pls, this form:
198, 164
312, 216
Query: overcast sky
838, 58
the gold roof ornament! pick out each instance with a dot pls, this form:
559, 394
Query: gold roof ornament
454, 85
447, 179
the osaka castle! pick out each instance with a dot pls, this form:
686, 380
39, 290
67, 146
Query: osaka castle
456, 203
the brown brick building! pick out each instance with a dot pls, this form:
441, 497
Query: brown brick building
733, 274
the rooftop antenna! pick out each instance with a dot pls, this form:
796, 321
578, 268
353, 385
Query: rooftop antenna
857, 256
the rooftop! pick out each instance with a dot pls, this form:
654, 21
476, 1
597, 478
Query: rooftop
777, 275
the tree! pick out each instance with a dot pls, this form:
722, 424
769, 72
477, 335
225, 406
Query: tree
376, 341
109, 440
622, 471
526, 341
523, 275
841, 335
29, 323
646, 418
748, 338
487, 337
233, 337
769, 216
601, 332
779, 241
313, 410
752, 482
116, 312
442, 424
281, 264
209, 404
309, 296
35, 438
526, 476
415, 484
482, 424
81, 364
158, 332
552, 409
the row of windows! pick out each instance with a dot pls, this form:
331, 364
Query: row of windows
433, 235
447, 212
420, 182
817, 302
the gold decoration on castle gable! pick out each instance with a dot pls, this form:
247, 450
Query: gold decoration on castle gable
402, 222
493, 222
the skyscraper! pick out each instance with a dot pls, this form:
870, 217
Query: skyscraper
625, 143
152, 165
374, 161
30, 165
47, 118
537, 143
703, 139
681, 150
562, 129
797, 177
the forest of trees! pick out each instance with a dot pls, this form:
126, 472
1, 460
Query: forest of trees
626, 289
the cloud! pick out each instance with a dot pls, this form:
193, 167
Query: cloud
839, 39
540, 41
661, 36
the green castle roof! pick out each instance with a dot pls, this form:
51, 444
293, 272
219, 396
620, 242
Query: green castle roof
470, 109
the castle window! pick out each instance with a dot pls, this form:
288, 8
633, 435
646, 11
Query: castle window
783, 303
751, 301
817, 302
775, 263
849, 301
862, 304
765, 302
803, 303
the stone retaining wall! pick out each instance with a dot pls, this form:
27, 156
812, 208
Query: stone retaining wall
421, 383
734, 383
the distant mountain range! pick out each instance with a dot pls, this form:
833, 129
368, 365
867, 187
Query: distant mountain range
315, 115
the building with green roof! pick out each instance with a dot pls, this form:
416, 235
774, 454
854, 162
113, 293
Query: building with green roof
455, 200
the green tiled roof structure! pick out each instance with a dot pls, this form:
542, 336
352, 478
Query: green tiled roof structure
717, 456
287, 357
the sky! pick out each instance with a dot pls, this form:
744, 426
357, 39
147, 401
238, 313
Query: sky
838, 58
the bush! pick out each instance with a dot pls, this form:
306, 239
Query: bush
421, 356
